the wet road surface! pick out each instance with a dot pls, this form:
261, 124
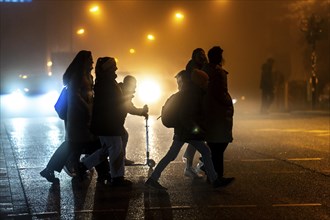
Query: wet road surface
280, 161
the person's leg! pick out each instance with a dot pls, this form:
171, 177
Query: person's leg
124, 143
116, 155
217, 151
189, 156
171, 154
102, 169
56, 162
59, 157
96, 158
263, 102
202, 147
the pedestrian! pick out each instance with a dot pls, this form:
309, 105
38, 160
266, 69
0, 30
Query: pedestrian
128, 87
78, 138
197, 61
108, 122
219, 111
267, 85
190, 129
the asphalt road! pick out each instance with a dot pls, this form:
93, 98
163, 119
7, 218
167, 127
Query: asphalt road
280, 161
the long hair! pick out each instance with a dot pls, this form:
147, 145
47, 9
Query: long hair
77, 66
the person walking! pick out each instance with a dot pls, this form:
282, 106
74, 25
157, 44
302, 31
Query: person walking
267, 85
197, 61
78, 138
219, 111
108, 118
190, 129
128, 87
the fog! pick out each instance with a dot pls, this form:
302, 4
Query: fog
248, 31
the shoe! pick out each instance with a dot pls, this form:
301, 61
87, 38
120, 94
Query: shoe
49, 175
223, 182
190, 172
128, 162
104, 178
154, 184
120, 181
69, 170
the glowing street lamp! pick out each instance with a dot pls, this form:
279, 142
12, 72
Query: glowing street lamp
131, 51
80, 31
151, 37
94, 9
179, 16
313, 29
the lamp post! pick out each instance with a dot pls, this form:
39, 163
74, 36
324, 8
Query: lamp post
312, 28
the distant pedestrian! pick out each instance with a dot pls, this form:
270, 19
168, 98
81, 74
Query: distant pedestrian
78, 138
190, 130
108, 122
128, 87
219, 111
267, 85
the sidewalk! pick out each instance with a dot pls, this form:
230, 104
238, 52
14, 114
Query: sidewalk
12, 195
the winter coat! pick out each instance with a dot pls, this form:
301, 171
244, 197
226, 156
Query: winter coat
192, 118
108, 112
218, 106
80, 103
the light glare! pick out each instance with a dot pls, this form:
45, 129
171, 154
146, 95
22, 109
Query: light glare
81, 31
148, 91
151, 37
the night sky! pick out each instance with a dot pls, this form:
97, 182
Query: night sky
248, 31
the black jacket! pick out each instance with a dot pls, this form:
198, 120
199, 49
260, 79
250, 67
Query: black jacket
108, 109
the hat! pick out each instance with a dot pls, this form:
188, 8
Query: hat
108, 63
200, 78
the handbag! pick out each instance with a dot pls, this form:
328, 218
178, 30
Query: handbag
61, 105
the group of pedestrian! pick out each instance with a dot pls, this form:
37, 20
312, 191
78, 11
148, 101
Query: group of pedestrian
206, 119
96, 113
94, 123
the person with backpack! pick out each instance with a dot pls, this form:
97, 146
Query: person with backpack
188, 128
78, 138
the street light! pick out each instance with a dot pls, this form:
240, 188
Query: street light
312, 27
151, 37
80, 31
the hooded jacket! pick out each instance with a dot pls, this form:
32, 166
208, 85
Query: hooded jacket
108, 109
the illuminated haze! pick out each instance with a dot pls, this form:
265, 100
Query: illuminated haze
248, 31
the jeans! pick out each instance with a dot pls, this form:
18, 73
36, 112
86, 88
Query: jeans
173, 152
112, 147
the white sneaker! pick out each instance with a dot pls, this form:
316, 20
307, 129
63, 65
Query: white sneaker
190, 172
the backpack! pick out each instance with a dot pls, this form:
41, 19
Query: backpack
170, 114
61, 105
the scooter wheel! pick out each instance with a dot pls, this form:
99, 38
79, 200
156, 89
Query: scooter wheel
151, 163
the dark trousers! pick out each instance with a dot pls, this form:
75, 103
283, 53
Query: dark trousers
267, 98
72, 151
217, 151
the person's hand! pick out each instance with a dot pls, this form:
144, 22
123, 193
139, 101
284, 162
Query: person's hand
145, 111
145, 108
